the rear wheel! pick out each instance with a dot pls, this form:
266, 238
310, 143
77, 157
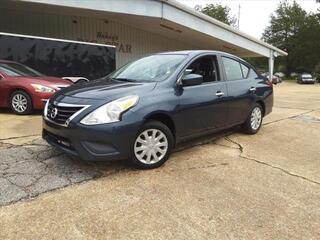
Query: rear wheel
152, 146
21, 103
254, 120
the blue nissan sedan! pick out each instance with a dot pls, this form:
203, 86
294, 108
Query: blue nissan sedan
143, 110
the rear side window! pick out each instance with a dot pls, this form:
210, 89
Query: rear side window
245, 70
232, 68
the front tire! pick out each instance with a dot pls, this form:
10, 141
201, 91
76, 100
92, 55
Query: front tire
152, 146
81, 81
21, 103
254, 121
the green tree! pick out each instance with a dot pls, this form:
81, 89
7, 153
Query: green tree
306, 54
284, 25
219, 12
296, 32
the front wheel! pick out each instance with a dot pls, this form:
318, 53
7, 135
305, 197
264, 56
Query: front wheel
254, 120
21, 103
152, 146
81, 81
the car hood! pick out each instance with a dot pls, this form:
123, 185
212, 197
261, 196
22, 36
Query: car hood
104, 89
53, 82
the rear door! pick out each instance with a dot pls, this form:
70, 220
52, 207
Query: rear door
203, 107
241, 88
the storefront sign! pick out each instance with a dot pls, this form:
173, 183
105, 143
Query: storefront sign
110, 39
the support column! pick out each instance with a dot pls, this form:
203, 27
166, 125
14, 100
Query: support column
271, 64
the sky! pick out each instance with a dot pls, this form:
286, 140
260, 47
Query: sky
254, 14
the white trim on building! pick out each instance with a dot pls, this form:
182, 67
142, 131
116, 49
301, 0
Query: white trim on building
55, 39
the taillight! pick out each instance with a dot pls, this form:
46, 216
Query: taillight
269, 83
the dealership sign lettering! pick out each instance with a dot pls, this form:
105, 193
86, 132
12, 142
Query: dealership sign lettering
111, 39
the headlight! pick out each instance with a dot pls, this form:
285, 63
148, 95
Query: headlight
42, 89
110, 112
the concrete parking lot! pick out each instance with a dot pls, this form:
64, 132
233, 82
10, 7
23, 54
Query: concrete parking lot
227, 186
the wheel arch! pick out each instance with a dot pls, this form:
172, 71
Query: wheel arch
18, 89
261, 103
164, 118
15, 89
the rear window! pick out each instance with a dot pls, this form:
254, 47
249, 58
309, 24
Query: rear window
306, 76
253, 74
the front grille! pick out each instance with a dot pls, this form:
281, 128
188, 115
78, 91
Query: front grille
60, 114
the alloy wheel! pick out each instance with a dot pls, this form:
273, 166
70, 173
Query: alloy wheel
19, 103
256, 118
151, 146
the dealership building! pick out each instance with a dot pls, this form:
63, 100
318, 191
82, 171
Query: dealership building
135, 27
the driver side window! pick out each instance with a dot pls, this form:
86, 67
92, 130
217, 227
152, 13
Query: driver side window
205, 66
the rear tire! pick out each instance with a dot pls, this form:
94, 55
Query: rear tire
21, 103
152, 146
254, 121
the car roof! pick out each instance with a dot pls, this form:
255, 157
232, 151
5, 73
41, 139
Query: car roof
193, 53
196, 52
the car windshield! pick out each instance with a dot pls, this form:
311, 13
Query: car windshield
18, 70
306, 76
153, 68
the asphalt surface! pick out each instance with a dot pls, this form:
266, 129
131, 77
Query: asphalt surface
227, 186
34, 168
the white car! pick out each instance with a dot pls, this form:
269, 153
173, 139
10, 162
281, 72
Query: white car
306, 78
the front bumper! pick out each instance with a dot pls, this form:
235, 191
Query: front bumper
308, 81
105, 142
39, 100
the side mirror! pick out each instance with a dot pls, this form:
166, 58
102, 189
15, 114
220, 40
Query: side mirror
1, 77
191, 80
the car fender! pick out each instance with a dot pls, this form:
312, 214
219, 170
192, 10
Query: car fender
18, 88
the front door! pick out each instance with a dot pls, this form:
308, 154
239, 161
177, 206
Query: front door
202, 107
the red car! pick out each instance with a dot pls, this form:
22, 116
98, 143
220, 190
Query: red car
24, 89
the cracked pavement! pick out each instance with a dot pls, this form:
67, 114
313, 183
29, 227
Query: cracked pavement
29, 166
33, 168
227, 186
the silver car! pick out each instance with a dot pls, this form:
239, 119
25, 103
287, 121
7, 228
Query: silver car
306, 78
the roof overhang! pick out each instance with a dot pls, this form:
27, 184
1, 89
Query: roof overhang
165, 17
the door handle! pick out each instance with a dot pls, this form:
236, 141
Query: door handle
219, 94
252, 89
